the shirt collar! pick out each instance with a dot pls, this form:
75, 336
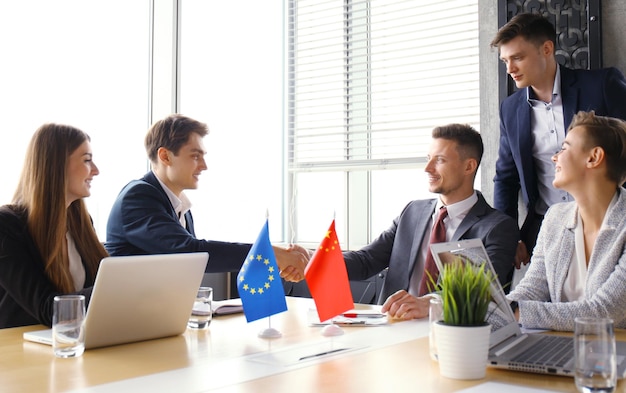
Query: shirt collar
180, 204
556, 89
460, 208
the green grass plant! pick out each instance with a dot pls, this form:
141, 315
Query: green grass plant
465, 293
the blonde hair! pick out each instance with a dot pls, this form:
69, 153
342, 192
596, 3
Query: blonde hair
41, 194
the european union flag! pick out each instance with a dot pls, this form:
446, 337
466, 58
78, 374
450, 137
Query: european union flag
258, 281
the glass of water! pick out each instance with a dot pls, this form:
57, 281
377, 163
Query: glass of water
68, 334
594, 349
435, 314
201, 312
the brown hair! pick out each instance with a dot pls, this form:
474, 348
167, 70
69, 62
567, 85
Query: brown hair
609, 134
533, 28
41, 193
468, 140
172, 133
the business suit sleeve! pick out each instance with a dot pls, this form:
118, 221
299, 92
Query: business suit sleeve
615, 93
500, 242
506, 180
373, 258
144, 219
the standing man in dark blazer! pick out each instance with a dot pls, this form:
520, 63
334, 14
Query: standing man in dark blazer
454, 156
534, 120
152, 215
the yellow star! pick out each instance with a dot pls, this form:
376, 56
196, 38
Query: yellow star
266, 261
259, 257
270, 277
241, 278
270, 269
251, 257
267, 285
261, 291
328, 234
245, 287
252, 291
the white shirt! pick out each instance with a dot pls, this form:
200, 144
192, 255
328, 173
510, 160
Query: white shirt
77, 270
456, 214
180, 204
547, 126
576, 279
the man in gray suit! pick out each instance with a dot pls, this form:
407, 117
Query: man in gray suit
453, 160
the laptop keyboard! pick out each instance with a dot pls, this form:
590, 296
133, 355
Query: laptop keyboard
549, 351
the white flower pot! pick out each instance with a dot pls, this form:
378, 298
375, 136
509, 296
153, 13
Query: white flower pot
462, 350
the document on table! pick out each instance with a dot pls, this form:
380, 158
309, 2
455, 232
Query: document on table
226, 307
351, 318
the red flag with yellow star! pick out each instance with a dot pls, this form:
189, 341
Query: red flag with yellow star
327, 278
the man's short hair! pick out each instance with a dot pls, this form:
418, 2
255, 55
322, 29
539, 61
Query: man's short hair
468, 140
534, 28
609, 134
172, 133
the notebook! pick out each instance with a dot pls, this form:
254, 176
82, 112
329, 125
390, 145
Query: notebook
509, 347
138, 298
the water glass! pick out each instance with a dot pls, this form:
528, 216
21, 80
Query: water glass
594, 349
68, 334
201, 312
435, 314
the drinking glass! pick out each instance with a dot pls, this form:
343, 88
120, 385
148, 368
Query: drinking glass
435, 314
201, 312
594, 349
68, 334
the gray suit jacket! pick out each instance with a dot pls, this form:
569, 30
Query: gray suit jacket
540, 292
397, 248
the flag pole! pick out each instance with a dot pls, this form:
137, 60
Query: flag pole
333, 329
269, 332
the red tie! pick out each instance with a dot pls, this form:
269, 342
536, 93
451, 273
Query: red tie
438, 235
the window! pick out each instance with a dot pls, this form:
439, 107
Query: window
368, 80
231, 77
79, 63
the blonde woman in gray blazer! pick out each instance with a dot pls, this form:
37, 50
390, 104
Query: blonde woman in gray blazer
579, 263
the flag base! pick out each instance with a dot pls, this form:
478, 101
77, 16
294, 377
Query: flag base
270, 333
332, 330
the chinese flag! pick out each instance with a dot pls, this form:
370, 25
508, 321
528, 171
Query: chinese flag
327, 278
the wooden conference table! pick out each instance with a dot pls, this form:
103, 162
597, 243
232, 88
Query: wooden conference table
230, 357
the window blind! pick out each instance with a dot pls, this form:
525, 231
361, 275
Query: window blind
369, 80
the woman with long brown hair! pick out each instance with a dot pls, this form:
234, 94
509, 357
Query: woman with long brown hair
48, 245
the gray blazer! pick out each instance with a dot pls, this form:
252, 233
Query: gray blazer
397, 248
540, 292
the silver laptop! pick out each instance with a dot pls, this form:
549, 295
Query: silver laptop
138, 298
509, 347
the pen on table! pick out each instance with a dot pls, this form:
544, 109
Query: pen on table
322, 353
357, 315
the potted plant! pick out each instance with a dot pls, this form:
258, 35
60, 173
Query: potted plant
462, 337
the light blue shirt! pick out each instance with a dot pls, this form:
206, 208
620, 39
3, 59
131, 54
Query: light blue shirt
548, 130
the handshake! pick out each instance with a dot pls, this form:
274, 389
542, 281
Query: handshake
292, 261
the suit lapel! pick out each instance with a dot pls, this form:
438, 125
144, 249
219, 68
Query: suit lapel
472, 217
569, 95
420, 232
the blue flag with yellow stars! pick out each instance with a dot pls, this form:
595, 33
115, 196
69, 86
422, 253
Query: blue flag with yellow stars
260, 287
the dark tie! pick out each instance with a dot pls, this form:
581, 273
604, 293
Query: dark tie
438, 235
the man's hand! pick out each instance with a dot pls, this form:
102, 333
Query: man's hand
401, 305
521, 255
291, 263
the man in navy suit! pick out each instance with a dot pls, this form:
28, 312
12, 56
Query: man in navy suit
152, 215
453, 159
534, 120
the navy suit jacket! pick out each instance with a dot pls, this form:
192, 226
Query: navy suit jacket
143, 221
603, 91
397, 248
